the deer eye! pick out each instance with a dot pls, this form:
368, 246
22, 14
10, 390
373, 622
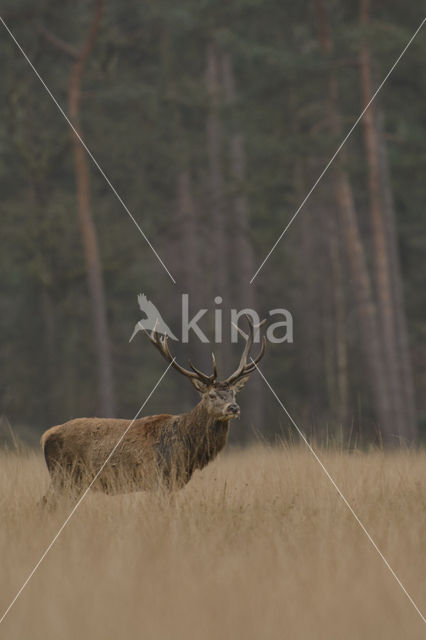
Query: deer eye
212, 395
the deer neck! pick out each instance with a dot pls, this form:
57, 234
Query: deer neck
206, 434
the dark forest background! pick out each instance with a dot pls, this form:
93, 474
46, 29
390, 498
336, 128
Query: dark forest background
213, 120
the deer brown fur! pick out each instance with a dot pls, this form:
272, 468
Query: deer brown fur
156, 450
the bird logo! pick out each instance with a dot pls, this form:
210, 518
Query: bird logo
153, 319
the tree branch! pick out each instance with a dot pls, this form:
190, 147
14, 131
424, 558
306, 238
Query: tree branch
58, 43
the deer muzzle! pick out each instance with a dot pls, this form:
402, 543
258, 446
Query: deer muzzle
233, 410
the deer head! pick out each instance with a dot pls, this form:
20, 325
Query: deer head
217, 397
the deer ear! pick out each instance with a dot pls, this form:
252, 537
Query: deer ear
200, 386
240, 383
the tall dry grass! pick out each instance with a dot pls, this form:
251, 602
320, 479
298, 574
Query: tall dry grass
257, 546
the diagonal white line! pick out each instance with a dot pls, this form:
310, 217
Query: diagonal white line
339, 148
89, 153
70, 515
302, 435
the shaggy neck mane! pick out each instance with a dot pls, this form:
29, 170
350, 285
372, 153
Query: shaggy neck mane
206, 435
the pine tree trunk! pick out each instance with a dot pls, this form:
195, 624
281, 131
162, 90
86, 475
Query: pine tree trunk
367, 311
217, 242
242, 249
366, 307
50, 340
47, 308
218, 227
383, 270
243, 262
339, 317
404, 356
191, 278
187, 224
88, 232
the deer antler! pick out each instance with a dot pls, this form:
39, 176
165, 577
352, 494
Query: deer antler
245, 368
160, 342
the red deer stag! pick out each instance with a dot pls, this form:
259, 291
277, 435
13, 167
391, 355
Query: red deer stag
160, 450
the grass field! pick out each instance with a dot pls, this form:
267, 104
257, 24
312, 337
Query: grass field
257, 546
